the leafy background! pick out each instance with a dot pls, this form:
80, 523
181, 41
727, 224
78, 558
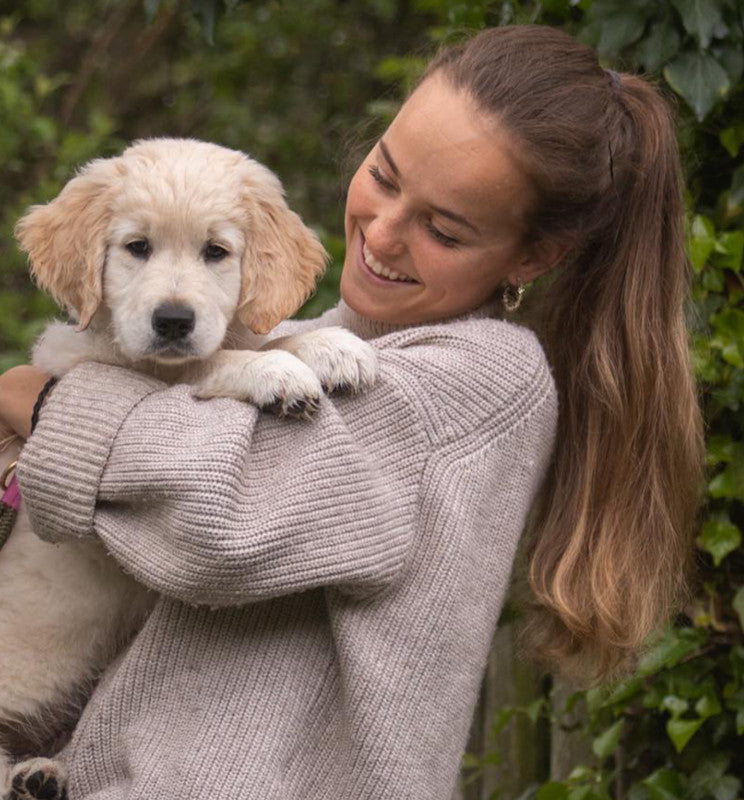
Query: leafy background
302, 86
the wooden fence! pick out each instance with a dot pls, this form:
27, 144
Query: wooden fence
529, 753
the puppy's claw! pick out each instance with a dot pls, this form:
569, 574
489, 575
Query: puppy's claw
340, 389
299, 408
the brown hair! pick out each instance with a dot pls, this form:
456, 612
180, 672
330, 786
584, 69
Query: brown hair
611, 537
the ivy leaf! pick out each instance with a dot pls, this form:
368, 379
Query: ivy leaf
623, 692
699, 79
659, 47
672, 645
713, 280
581, 773
732, 138
680, 731
586, 793
606, 743
676, 706
700, 18
732, 60
534, 709
710, 780
730, 482
552, 791
719, 537
729, 248
701, 242
720, 449
664, 784
728, 329
707, 706
620, 29
501, 719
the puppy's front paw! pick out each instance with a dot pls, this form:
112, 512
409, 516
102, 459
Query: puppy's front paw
41, 778
274, 380
342, 361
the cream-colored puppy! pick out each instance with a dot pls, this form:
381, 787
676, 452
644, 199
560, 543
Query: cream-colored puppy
173, 259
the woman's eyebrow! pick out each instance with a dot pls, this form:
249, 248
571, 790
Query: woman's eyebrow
454, 217
443, 211
386, 153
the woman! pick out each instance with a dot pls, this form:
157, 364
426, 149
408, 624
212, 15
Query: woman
330, 589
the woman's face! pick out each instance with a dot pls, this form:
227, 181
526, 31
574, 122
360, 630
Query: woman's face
435, 214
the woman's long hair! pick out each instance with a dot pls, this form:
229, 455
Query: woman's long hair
610, 541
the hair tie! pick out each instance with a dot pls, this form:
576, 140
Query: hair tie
615, 79
40, 401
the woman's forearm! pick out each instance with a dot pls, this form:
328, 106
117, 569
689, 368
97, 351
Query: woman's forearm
19, 390
211, 502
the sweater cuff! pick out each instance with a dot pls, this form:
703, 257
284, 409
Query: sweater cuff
60, 467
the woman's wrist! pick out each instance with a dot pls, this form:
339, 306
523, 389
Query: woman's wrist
19, 392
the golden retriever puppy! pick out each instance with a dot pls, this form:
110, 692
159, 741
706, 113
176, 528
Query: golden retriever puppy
172, 259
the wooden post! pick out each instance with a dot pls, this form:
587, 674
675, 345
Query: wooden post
522, 745
570, 746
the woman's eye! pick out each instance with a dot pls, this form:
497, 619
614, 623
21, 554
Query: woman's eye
374, 171
213, 252
139, 248
447, 241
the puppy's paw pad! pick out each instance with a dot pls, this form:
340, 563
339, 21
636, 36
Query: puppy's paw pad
39, 779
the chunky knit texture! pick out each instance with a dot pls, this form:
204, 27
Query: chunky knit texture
329, 588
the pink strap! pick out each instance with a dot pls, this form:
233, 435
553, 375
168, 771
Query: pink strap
12, 495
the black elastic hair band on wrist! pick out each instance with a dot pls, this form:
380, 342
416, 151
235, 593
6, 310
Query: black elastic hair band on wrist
40, 400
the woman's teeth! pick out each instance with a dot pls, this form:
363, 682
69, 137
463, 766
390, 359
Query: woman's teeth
378, 269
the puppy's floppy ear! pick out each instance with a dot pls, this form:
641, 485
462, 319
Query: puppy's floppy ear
66, 238
282, 258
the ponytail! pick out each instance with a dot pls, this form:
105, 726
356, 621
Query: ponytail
611, 538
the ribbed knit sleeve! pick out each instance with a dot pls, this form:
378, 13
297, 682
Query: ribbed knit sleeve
212, 502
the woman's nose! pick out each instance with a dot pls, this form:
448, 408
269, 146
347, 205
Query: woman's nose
385, 235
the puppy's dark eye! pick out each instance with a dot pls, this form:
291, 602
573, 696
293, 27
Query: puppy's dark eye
139, 248
213, 252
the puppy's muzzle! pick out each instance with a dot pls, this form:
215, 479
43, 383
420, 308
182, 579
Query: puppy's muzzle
173, 322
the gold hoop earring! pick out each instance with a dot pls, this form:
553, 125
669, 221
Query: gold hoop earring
511, 296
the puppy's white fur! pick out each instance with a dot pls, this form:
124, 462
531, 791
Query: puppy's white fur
66, 609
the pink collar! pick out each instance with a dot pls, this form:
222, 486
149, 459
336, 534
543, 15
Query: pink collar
12, 495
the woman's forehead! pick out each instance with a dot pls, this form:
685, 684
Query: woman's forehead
441, 142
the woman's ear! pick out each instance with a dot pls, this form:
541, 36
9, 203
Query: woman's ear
283, 257
66, 238
539, 257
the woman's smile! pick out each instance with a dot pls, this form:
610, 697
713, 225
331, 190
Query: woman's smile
376, 271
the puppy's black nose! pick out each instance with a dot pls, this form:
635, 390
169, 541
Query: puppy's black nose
172, 321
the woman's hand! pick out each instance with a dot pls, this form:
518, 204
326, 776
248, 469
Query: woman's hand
19, 388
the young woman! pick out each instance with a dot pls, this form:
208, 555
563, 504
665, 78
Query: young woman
329, 589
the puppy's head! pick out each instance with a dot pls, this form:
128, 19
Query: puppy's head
176, 238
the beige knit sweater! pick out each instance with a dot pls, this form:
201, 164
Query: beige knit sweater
329, 588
